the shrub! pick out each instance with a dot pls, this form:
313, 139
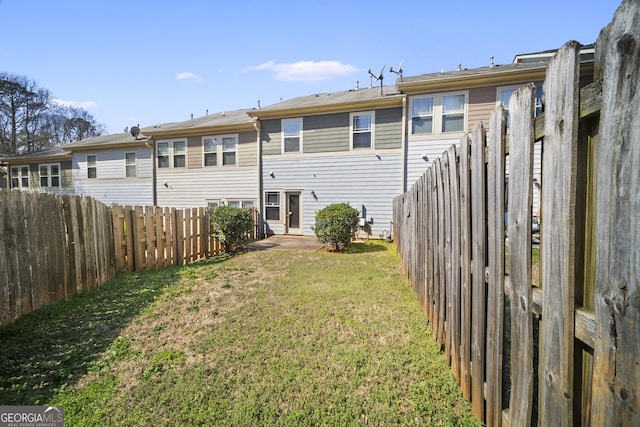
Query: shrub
232, 226
336, 224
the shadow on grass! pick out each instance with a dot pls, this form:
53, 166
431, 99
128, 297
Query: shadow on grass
359, 248
56, 345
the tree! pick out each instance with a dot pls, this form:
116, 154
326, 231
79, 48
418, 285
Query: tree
336, 224
232, 226
30, 120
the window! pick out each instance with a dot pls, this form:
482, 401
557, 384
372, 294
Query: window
229, 150
245, 204
292, 135
49, 175
92, 167
130, 165
20, 177
422, 115
172, 154
504, 94
362, 130
179, 154
453, 113
438, 114
210, 149
163, 154
272, 206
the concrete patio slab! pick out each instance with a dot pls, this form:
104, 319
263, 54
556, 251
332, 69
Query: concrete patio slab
287, 242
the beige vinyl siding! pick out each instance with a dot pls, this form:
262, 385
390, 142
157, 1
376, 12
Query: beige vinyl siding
388, 131
194, 152
270, 137
247, 153
482, 101
326, 133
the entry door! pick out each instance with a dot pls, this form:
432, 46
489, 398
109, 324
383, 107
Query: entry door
293, 213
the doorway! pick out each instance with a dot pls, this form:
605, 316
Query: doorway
293, 213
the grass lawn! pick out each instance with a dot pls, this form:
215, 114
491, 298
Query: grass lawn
261, 338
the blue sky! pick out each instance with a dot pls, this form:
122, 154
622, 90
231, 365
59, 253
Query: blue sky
145, 62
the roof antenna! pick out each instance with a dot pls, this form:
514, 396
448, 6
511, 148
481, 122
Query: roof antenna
398, 71
491, 63
258, 104
379, 77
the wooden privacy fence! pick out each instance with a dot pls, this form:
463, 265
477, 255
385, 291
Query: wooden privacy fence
51, 247
154, 237
570, 355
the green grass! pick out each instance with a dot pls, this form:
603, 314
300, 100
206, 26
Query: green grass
263, 338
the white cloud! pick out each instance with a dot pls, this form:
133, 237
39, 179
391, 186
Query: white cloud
305, 71
187, 75
75, 104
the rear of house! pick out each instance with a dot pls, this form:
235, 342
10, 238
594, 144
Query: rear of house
207, 161
114, 169
331, 148
45, 171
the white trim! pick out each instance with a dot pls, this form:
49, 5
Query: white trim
372, 130
95, 166
19, 176
283, 122
135, 164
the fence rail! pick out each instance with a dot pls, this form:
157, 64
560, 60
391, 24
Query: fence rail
53, 247
569, 343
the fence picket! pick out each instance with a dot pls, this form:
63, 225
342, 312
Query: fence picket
495, 292
465, 267
558, 261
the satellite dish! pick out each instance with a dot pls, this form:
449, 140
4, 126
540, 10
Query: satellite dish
135, 131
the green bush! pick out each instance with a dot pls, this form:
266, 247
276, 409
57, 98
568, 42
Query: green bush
336, 224
232, 226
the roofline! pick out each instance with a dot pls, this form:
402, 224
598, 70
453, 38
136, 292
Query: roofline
157, 133
36, 159
390, 101
108, 145
448, 82
498, 77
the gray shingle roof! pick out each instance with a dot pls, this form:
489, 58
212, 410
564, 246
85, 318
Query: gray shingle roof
226, 118
333, 98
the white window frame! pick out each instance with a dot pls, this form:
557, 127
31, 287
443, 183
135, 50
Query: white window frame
171, 153
225, 151
92, 166
127, 165
20, 176
353, 131
205, 152
422, 116
283, 124
438, 116
277, 205
220, 150
241, 203
50, 175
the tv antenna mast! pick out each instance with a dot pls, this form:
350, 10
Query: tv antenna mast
398, 71
379, 77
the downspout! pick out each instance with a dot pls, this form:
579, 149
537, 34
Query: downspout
259, 198
154, 196
404, 144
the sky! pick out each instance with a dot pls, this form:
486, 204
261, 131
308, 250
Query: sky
145, 62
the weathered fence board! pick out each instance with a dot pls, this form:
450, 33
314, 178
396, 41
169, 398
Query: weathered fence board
478, 287
496, 252
558, 257
465, 267
616, 373
454, 269
521, 139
